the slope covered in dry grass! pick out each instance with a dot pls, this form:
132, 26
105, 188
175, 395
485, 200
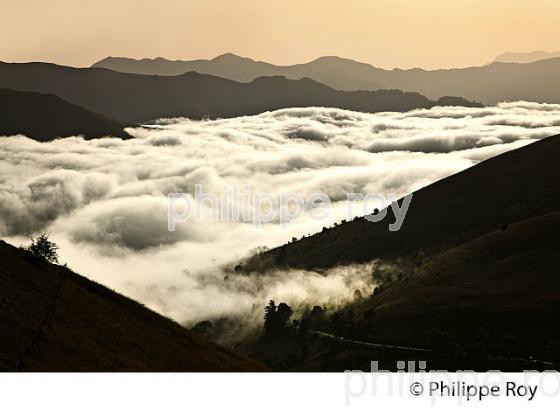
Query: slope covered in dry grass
55, 320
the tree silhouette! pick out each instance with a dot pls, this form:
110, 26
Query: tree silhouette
269, 316
283, 315
276, 318
41, 247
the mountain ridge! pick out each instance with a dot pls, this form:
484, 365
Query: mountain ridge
53, 319
490, 84
472, 276
525, 57
459, 215
44, 117
141, 98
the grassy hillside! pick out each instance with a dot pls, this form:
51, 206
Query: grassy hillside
505, 282
505, 189
44, 117
141, 98
55, 320
311, 353
475, 275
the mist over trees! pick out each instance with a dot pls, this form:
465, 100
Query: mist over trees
276, 318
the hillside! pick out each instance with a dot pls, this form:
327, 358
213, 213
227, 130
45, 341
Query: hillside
506, 281
489, 84
141, 98
44, 117
495, 296
490, 303
511, 187
55, 320
472, 276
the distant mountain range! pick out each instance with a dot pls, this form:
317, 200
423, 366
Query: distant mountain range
523, 58
44, 117
489, 84
141, 98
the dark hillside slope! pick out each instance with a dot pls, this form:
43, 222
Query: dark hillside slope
44, 117
52, 319
511, 187
141, 98
490, 303
474, 276
505, 282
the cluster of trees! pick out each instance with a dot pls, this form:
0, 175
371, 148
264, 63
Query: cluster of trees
479, 350
312, 319
277, 318
278, 321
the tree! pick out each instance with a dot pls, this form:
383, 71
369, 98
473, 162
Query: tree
269, 317
41, 247
283, 315
357, 294
316, 313
276, 318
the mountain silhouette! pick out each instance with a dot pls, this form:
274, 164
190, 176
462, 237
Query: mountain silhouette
141, 98
226, 65
523, 58
44, 117
53, 319
474, 273
490, 84
445, 214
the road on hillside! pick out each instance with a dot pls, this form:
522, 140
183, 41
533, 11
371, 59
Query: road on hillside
368, 345
385, 347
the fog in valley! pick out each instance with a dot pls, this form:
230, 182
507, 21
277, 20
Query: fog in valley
104, 201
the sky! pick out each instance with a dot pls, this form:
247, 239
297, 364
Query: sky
386, 33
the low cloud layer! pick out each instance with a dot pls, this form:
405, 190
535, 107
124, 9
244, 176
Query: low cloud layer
104, 201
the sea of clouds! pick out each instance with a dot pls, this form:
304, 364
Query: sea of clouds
105, 201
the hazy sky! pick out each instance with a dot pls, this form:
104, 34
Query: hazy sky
385, 33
